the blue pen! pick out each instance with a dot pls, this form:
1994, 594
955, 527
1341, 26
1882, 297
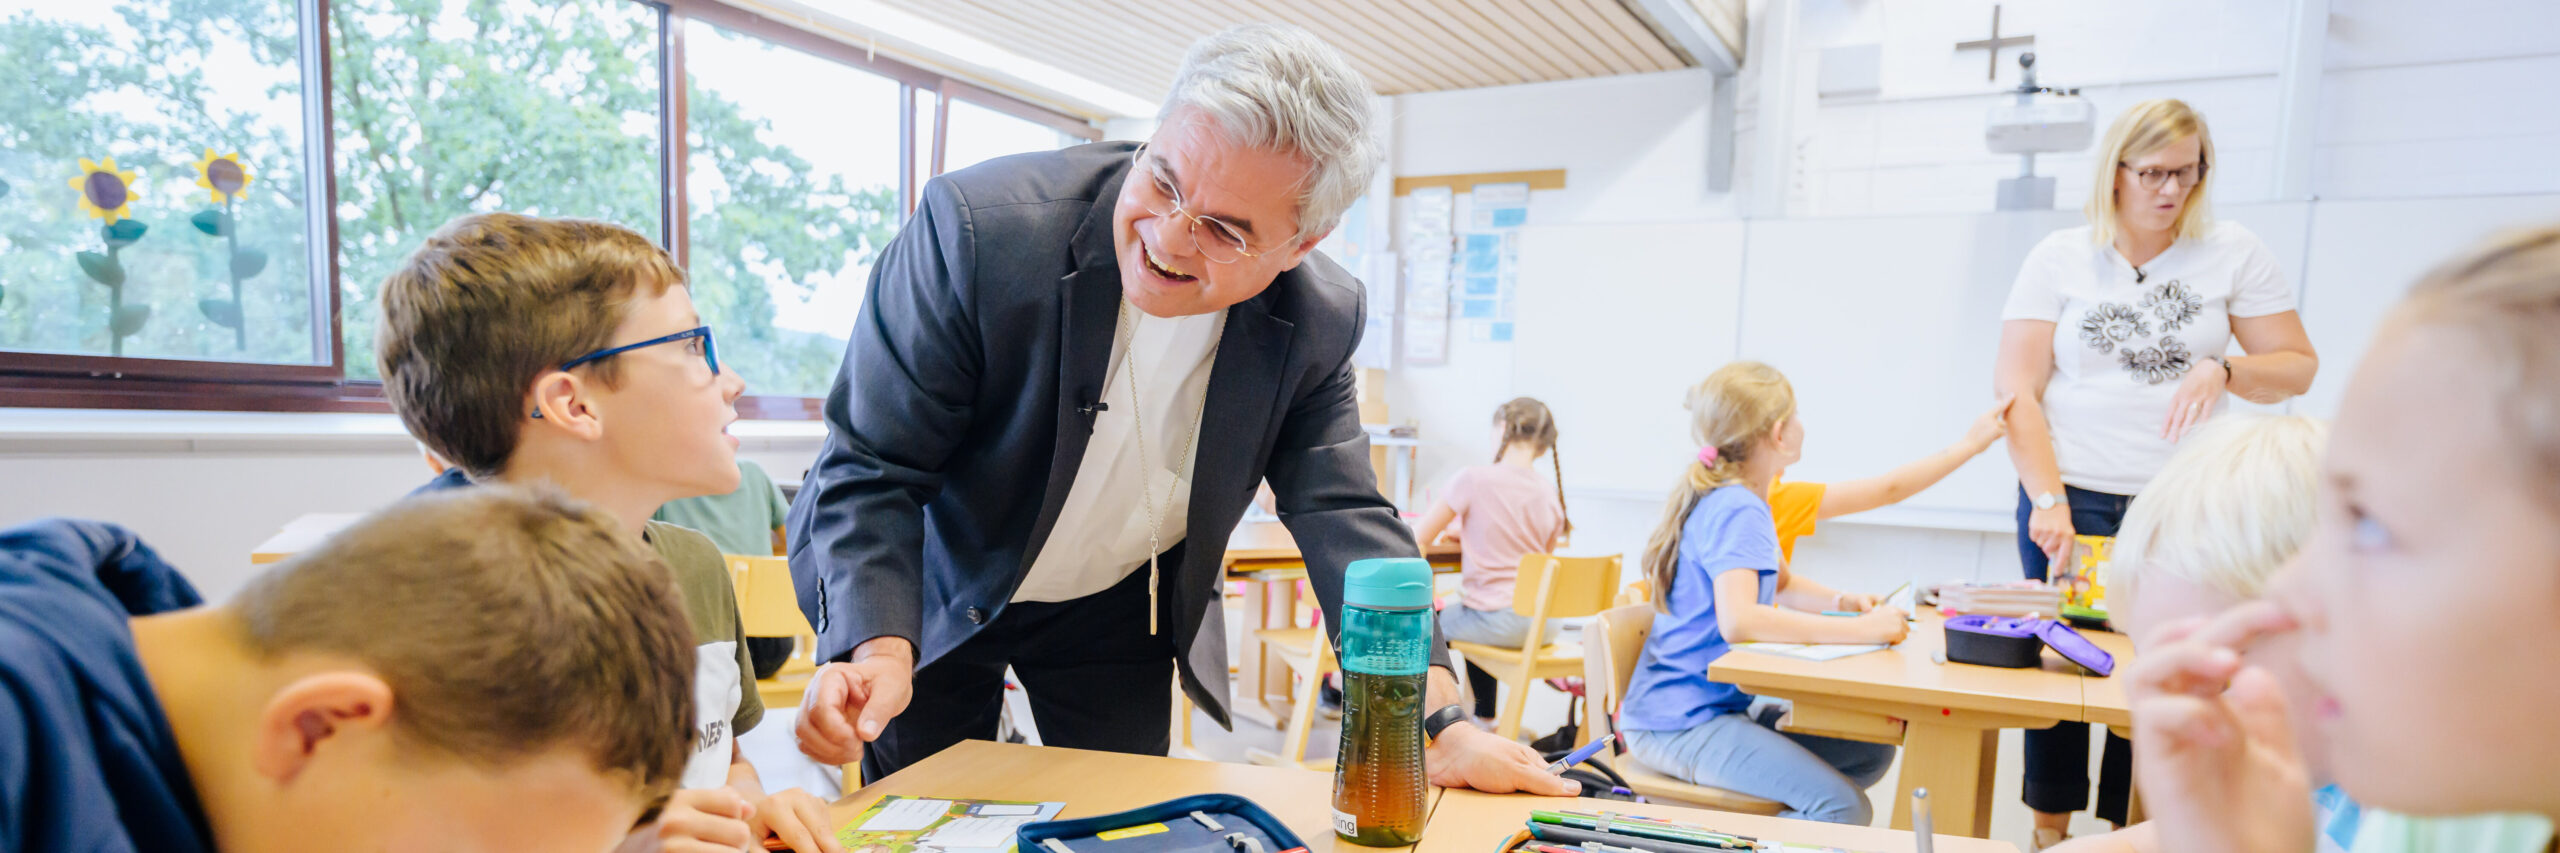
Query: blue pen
1580, 755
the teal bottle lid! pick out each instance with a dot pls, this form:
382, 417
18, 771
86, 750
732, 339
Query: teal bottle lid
1388, 583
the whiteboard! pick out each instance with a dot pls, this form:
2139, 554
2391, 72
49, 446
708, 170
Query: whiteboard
1614, 323
1888, 327
2366, 254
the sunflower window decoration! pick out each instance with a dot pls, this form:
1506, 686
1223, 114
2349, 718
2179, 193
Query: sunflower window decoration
107, 194
225, 177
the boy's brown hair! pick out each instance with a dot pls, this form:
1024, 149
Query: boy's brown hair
2505, 293
493, 300
508, 622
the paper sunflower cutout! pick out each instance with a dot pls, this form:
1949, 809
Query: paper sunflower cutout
223, 174
104, 192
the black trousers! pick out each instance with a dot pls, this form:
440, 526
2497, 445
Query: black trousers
1095, 678
2058, 758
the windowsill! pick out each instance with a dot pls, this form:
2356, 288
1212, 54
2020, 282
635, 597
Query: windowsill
138, 431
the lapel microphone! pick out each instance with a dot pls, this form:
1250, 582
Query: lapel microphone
1093, 408
2139, 275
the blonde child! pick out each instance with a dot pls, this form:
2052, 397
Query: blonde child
2422, 601
1505, 510
2225, 512
1716, 563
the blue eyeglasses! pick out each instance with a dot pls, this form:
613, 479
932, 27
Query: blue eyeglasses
710, 355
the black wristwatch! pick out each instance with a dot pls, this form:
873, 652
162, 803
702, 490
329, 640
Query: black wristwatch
1440, 721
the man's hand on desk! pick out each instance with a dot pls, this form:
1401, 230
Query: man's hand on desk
1469, 757
847, 704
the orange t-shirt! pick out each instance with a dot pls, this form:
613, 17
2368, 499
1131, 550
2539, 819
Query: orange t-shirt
1795, 506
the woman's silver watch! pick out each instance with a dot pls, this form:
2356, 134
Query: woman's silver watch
2050, 500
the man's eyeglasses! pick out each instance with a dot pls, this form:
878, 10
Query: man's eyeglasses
1222, 243
710, 355
2153, 179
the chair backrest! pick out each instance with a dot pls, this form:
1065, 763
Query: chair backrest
1611, 645
1565, 587
767, 604
1638, 591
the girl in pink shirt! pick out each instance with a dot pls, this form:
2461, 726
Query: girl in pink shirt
1505, 511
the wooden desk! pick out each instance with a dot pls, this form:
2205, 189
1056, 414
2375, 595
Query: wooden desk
1094, 783
1262, 554
1470, 822
300, 535
1947, 717
2104, 697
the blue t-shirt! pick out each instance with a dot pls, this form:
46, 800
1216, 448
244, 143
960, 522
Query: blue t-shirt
87, 759
1729, 530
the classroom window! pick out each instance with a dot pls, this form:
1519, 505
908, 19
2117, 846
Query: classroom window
977, 134
152, 194
187, 222
789, 204
448, 107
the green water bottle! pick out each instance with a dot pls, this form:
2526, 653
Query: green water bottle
1386, 658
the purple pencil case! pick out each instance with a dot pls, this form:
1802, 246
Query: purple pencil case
2019, 643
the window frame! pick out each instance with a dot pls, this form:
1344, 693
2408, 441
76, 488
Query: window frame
63, 380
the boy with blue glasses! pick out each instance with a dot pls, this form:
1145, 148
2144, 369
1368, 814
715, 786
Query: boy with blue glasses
568, 352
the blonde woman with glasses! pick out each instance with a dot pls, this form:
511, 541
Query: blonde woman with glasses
2114, 343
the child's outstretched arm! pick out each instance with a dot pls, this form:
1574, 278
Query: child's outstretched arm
1743, 619
1428, 528
1893, 486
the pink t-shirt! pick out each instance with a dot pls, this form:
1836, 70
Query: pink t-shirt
1505, 512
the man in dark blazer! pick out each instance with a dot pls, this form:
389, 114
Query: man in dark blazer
1010, 477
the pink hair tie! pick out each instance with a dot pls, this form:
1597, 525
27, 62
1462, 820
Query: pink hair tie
1707, 457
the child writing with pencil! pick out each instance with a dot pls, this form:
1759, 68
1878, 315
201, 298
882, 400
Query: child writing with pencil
1504, 511
1716, 562
2420, 603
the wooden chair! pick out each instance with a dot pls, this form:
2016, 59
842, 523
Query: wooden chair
1308, 653
1558, 588
769, 607
1611, 645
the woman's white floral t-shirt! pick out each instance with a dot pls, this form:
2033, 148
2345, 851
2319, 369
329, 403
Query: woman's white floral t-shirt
2123, 338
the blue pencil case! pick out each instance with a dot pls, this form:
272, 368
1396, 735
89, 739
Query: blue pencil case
1201, 823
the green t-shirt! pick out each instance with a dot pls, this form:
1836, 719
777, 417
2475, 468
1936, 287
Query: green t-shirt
724, 690
741, 522
2384, 832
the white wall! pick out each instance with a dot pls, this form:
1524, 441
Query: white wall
2417, 99
2424, 108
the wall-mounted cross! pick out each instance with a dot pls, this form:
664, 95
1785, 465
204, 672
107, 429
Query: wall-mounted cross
1995, 43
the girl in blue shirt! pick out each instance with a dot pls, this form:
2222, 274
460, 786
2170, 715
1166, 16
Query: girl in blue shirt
1715, 561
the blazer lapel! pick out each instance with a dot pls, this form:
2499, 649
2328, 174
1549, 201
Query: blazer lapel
1089, 310
1235, 422
1245, 388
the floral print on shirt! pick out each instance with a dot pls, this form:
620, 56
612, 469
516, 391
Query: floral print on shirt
2156, 364
2110, 324
2174, 303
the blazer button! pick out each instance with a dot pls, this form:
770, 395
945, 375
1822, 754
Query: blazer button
977, 616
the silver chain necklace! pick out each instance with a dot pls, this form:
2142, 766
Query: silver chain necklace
1146, 470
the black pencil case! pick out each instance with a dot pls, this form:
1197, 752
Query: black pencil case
1201, 823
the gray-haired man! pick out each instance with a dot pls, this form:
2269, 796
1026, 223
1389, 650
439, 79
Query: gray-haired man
1072, 371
